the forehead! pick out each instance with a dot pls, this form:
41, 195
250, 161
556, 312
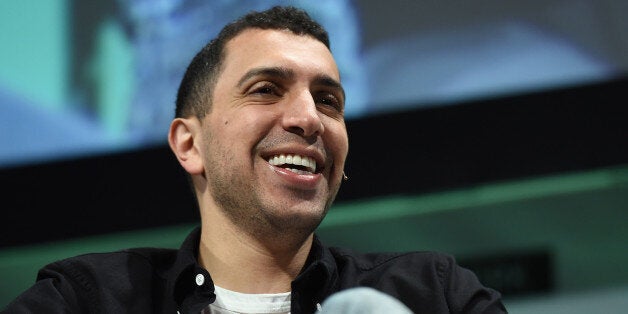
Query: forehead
278, 48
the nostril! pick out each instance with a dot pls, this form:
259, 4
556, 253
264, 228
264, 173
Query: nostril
296, 130
302, 120
305, 128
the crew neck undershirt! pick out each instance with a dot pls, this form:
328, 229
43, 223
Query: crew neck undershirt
230, 302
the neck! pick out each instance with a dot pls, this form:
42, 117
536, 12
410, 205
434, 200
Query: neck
242, 262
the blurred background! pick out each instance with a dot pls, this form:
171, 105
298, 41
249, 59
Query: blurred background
496, 132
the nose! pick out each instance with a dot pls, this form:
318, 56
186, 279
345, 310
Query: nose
302, 117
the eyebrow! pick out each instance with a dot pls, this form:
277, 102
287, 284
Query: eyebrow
278, 72
284, 74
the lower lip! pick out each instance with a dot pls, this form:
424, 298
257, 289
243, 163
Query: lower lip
304, 181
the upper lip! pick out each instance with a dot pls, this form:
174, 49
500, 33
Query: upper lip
311, 152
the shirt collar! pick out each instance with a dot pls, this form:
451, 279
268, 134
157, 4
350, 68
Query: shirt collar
317, 280
188, 282
193, 289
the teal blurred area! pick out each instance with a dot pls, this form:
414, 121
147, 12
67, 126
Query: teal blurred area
84, 78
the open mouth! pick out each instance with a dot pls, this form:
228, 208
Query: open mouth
295, 163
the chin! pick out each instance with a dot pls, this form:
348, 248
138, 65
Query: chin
297, 220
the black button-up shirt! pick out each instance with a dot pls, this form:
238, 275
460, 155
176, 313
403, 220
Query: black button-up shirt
151, 280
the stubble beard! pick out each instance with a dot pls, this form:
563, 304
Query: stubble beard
242, 202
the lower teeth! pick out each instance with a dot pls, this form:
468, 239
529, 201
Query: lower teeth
297, 171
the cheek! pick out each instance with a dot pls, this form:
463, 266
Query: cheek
255, 124
337, 140
244, 129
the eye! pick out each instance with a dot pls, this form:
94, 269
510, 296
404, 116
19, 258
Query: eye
329, 100
264, 88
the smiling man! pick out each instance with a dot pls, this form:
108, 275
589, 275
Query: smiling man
259, 129
265, 154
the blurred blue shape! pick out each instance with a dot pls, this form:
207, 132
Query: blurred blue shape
484, 61
31, 133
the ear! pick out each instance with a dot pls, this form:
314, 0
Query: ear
182, 138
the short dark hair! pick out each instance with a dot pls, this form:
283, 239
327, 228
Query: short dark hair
195, 91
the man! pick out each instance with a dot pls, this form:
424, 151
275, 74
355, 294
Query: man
259, 128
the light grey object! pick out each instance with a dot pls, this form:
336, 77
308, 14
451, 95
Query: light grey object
362, 300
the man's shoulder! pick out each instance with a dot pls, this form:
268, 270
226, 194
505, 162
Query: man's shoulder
426, 281
101, 282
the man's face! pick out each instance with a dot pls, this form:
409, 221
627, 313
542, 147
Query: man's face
275, 141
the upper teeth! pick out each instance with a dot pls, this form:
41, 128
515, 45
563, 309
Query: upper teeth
298, 160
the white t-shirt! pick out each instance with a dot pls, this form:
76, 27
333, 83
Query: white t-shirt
230, 302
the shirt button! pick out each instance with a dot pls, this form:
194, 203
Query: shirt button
200, 279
